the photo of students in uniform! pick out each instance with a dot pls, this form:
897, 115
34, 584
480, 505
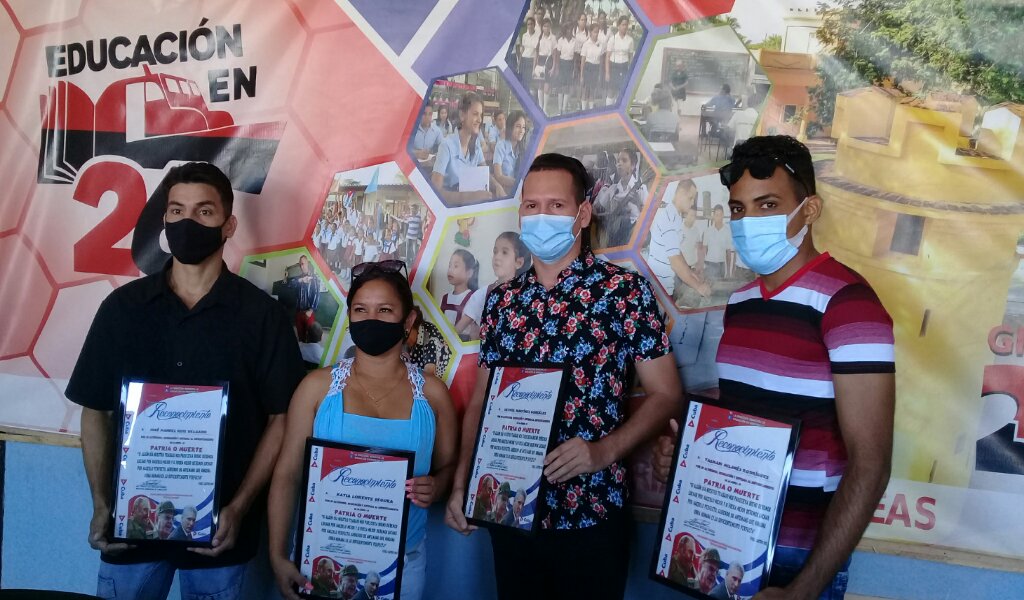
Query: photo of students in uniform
689, 245
370, 214
293, 279
574, 56
620, 175
476, 254
472, 136
698, 95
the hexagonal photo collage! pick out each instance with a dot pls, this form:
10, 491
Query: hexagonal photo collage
698, 95
572, 57
472, 137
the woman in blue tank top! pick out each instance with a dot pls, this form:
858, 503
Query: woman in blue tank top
374, 399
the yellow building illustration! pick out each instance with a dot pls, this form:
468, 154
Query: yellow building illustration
931, 219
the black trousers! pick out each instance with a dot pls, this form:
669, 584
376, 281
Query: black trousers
590, 563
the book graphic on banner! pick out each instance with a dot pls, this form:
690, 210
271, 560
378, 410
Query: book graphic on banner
516, 433
165, 485
354, 519
723, 504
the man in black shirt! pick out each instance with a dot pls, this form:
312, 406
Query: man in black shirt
194, 322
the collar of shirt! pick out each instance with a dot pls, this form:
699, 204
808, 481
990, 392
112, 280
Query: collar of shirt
619, 187
224, 291
577, 267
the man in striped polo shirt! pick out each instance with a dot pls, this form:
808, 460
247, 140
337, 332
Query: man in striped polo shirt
808, 338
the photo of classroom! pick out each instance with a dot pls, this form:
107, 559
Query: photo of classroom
292, 278
476, 254
621, 175
370, 214
689, 247
472, 137
574, 56
699, 94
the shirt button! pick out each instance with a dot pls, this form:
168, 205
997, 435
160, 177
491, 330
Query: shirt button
179, 363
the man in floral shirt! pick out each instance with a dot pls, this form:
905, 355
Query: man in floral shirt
572, 308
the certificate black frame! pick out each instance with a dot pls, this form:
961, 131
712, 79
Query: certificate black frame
748, 409
559, 408
217, 499
410, 459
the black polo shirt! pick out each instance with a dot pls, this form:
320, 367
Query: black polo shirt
235, 333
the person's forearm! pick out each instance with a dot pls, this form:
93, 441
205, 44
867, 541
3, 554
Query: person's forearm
461, 198
262, 465
443, 477
281, 509
845, 520
683, 271
652, 416
97, 454
506, 182
470, 424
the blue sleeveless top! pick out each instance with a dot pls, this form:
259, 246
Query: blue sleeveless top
415, 434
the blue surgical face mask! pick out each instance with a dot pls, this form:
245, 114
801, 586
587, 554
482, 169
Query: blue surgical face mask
548, 237
762, 243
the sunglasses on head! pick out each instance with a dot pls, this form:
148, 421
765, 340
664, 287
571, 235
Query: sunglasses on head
384, 266
761, 167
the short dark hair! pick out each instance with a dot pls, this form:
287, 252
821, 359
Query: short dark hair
469, 262
395, 279
314, 333
520, 249
784, 148
726, 88
201, 172
560, 162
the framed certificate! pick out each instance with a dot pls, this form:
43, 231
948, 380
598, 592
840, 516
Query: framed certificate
506, 476
165, 480
723, 503
354, 517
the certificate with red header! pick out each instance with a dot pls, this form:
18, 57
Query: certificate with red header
165, 486
723, 504
516, 433
354, 518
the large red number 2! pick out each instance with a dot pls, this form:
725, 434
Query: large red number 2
95, 252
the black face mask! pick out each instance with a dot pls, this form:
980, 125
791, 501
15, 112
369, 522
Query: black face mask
375, 337
192, 242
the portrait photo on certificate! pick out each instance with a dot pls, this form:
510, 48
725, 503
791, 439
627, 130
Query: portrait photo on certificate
165, 484
351, 537
723, 504
516, 430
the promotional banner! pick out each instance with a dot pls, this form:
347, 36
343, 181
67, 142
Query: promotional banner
516, 428
165, 483
352, 534
341, 125
724, 501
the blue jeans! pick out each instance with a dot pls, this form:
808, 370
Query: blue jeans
414, 572
789, 561
152, 581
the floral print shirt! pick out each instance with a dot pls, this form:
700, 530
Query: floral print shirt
599, 319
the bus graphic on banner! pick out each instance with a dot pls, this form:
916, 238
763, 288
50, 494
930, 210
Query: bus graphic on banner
151, 119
